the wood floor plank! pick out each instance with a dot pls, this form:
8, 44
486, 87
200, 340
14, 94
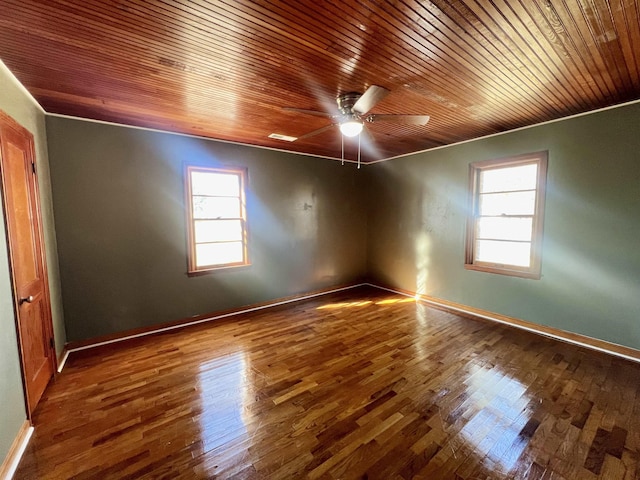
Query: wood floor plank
356, 384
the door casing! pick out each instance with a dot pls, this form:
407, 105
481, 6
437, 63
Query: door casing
32, 393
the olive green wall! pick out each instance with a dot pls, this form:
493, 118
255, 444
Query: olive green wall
591, 257
118, 197
119, 203
21, 107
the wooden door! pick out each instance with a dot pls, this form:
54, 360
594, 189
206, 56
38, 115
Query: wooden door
27, 259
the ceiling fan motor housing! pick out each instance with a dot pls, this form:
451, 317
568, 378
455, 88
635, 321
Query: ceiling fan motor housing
346, 101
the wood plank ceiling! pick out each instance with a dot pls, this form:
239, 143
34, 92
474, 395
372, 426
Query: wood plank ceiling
225, 69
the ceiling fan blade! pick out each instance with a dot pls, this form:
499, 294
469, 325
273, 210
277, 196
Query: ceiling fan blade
318, 131
369, 98
404, 119
309, 112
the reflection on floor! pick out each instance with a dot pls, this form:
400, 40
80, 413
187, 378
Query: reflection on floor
359, 384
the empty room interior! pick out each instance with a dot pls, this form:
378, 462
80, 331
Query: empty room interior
324, 240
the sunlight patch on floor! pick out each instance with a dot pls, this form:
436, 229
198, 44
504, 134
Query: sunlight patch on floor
494, 432
364, 303
223, 392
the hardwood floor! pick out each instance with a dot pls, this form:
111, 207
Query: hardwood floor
360, 384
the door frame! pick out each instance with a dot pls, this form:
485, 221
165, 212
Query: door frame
10, 122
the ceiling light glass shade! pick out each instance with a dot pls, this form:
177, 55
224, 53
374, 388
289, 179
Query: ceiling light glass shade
351, 128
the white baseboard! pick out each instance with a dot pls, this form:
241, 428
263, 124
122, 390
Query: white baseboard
604, 346
71, 347
10, 464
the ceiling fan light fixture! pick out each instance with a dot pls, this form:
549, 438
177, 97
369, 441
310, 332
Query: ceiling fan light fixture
351, 127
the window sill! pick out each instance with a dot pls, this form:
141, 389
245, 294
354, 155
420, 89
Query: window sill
504, 270
220, 269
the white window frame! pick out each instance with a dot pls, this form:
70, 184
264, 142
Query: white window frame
475, 169
192, 267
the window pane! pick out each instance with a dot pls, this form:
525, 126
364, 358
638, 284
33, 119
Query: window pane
216, 207
505, 228
520, 203
218, 253
505, 253
218, 230
506, 179
212, 183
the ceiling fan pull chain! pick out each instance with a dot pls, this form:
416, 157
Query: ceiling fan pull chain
342, 144
359, 135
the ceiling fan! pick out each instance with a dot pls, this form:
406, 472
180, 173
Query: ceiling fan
352, 113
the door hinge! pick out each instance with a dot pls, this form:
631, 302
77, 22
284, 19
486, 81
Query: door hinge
33, 167
51, 343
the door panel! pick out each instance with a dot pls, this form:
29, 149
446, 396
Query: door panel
28, 267
23, 230
35, 345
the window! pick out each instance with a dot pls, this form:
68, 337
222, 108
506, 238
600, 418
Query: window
504, 228
217, 226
